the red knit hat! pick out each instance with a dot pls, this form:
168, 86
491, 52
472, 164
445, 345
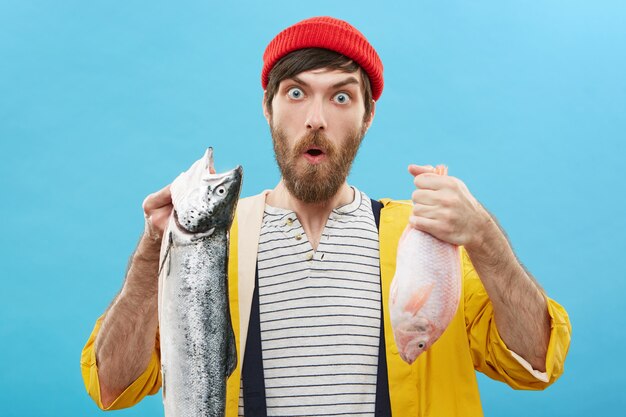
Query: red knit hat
328, 33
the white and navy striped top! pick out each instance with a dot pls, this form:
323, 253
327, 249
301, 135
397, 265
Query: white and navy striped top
320, 313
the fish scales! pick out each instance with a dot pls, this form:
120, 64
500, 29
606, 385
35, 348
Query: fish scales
425, 291
194, 330
198, 351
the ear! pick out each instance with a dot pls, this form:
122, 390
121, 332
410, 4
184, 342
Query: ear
368, 123
266, 112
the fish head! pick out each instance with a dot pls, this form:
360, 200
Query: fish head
413, 337
204, 201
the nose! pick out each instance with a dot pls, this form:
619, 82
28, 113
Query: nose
316, 119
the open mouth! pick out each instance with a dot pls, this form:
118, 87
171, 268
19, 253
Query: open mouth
314, 155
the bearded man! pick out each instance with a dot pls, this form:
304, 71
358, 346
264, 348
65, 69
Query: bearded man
315, 259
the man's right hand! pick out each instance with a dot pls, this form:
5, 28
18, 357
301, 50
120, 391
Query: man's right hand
157, 208
126, 339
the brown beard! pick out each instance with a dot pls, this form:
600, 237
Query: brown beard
315, 183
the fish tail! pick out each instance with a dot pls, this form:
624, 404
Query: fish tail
441, 170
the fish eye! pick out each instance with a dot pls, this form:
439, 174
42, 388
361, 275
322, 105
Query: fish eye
295, 93
342, 98
421, 345
220, 191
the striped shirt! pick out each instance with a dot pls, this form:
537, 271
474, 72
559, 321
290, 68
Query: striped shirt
320, 313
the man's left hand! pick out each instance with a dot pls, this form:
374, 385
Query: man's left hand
444, 208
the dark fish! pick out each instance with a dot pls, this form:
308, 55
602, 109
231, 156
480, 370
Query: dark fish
198, 351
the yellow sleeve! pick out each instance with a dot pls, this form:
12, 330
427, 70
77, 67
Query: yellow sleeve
489, 352
147, 383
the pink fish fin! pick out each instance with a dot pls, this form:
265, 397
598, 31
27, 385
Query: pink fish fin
394, 291
441, 170
417, 300
407, 229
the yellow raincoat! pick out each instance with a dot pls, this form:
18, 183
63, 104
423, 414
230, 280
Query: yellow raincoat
442, 381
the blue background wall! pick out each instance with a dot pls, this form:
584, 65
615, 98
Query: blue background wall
104, 102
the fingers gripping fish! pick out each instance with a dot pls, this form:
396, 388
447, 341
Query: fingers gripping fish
198, 351
425, 290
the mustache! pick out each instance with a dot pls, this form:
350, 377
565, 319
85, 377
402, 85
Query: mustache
316, 139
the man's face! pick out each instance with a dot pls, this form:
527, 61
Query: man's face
317, 125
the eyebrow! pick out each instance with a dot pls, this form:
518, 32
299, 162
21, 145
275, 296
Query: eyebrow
347, 81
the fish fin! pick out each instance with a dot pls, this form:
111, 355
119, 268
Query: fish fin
163, 379
418, 299
393, 291
167, 255
441, 170
405, 233
231, 352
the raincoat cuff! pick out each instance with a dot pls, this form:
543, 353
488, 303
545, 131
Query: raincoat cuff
541, 376
555, 355
148, 383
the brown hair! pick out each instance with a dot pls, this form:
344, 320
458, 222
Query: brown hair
308, 59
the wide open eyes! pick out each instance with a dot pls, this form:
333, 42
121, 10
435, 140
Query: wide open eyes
295, 93
220, 191
342, 98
